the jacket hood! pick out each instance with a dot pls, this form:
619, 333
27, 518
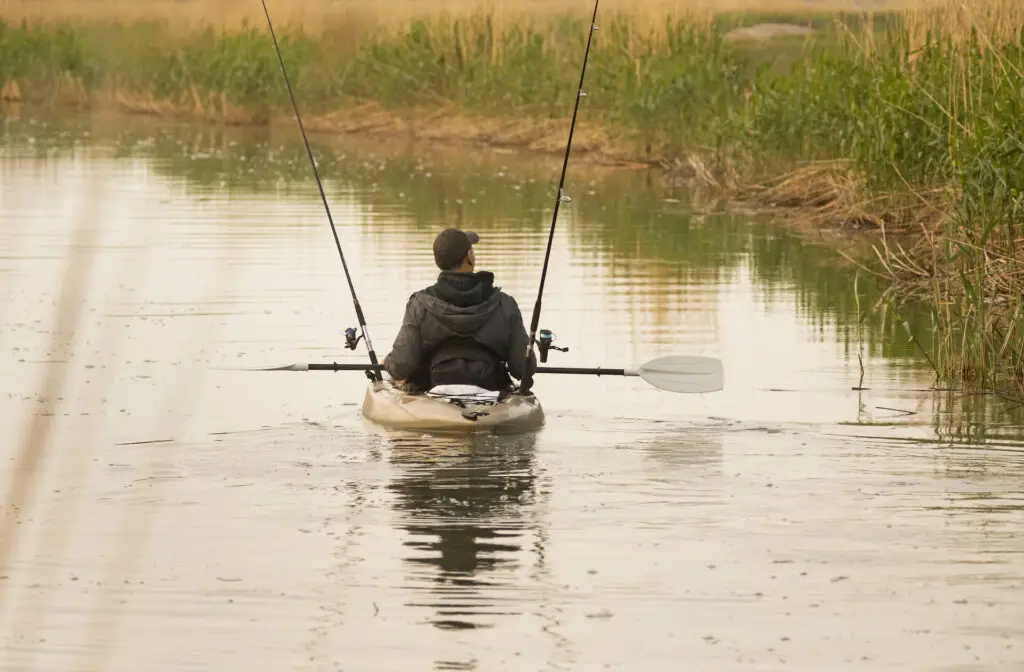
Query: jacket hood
464, 289
462, 302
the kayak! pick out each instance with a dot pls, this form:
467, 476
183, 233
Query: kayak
452, 408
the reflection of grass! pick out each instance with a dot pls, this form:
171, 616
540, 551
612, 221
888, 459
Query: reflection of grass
960, 419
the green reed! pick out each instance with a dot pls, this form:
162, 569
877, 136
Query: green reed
43, 53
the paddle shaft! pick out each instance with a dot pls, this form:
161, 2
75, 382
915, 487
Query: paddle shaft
587, 372
535, 321
334, 366
323, 196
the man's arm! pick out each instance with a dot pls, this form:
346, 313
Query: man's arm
518, 342
404, 358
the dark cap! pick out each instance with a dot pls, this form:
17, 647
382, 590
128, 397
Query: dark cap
451, 246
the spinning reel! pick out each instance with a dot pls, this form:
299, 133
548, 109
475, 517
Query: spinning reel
351, 339
544, 343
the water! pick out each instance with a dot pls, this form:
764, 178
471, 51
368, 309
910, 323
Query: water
186, 517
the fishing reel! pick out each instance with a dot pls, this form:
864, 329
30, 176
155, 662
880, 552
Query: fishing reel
545, 343
351, 339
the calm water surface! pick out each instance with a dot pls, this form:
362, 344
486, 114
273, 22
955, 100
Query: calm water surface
188, 518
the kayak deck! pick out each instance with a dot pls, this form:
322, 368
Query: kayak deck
459, 408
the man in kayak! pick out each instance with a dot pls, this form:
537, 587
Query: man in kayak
462, 330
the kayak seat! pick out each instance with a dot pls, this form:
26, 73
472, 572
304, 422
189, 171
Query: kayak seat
464, 393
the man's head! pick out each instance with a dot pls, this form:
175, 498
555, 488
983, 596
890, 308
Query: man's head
453, 250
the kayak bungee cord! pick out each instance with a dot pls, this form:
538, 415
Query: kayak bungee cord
350, 337
547, 336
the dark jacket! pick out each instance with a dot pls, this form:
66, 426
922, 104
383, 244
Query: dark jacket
460, 330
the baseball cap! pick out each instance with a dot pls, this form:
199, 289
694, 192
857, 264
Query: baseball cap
451, 246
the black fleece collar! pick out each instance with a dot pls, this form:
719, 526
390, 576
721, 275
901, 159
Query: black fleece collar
464, 289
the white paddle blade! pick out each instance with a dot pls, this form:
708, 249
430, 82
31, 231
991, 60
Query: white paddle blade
684, 374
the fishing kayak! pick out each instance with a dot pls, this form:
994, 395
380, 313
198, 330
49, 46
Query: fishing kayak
452, 408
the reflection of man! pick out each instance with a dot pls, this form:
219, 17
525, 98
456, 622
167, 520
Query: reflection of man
465, 516
462, 330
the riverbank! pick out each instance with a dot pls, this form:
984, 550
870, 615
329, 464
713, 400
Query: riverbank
901, 125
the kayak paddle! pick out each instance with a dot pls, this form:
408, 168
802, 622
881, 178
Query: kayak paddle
683, 374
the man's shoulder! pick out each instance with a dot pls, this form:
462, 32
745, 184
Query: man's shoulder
417, 299
420, 293
506, 299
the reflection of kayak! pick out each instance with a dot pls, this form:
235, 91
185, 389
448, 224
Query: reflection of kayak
455, 408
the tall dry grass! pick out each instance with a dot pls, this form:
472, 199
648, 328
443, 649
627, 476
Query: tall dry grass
313, 13
349, 22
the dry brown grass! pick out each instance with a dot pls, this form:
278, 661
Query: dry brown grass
447, 124
212, 107
348, 22
320, 15
997, 21
832, 193
313, 12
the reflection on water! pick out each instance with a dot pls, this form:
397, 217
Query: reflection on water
673, 450
468, 506
473, 509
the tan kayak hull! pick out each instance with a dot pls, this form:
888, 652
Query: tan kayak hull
395, 409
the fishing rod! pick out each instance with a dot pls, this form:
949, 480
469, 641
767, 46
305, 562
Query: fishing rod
546, 336
350, 336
